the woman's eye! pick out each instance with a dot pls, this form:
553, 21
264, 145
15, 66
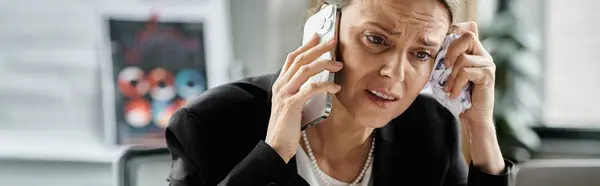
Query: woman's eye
376, 40
423, 56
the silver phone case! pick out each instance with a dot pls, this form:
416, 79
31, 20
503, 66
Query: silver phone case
325, 23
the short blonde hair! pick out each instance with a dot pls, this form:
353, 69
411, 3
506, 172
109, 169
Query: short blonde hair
451, 5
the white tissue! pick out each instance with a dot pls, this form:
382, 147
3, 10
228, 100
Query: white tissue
439, 75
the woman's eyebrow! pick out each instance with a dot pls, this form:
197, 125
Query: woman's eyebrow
388, 30
427, 42
422, 40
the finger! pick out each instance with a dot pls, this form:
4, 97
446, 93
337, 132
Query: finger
466, 43
468, 26
466, 60
309, 56
461, 80
292, 55
309, 70
477, 75
457, 66
315, 88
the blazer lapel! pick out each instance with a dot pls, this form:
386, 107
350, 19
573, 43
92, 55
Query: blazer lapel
298, 180
383, 162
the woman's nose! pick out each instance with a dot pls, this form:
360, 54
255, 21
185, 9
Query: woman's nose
394, 69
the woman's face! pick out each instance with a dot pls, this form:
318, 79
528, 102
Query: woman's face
388, 49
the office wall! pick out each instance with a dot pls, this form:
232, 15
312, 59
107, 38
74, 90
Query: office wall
49, 65
285, 20
571, 73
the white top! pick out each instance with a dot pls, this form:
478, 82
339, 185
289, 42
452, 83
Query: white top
305, 169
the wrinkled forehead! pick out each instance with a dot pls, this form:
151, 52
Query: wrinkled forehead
429, 15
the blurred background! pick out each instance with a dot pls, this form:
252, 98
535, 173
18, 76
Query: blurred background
84, 95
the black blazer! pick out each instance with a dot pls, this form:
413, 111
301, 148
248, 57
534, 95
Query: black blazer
217, 139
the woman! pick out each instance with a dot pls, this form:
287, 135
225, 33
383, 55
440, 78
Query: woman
380, 131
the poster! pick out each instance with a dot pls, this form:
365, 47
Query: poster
157, 67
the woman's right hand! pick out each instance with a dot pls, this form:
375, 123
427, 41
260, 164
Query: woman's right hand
289, 97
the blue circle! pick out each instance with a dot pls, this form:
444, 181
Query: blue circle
190, 83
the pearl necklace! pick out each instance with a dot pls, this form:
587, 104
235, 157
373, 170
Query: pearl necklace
321, 174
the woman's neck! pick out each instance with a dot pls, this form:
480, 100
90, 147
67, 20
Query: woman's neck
340, 140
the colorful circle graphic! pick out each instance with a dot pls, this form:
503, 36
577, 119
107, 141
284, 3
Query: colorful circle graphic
190, 83
161, 82
132, 82
137, 113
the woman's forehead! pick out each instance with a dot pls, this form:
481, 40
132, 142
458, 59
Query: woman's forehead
429, 14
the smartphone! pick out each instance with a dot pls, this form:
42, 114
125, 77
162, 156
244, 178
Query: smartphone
325, 23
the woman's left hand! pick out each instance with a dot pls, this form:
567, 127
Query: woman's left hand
470, 62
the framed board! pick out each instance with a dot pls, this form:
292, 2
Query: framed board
157, 60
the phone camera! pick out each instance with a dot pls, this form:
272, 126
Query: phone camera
322, 23
328, 11
325, 27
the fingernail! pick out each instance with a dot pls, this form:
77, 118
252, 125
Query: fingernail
337, 63
315, 36
338, 87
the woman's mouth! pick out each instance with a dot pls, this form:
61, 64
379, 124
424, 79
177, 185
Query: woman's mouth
381, 98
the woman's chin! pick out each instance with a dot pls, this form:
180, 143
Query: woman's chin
373, 121
363, 113
375, 118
